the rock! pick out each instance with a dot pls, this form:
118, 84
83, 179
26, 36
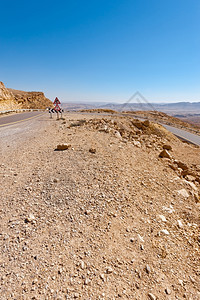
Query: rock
167, 147
162, 218
30, 219
148, 269
137, 144
118, 135
168, 291
86, 281
82, 265
131, 240
182, 165
164, 231
180, 224
146, 123
196, 197
140, 238
183, 193
190, 178
76, 295
151, 296
102, 276
193, 186
62, 147
92, 150
109, 270
165, 154
104, 129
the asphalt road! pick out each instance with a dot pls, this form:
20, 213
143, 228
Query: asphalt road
18, 118
184, 135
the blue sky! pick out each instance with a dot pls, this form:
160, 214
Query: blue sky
99, 50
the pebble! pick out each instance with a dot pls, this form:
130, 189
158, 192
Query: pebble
183, 193
180, 224
109, 270
162, 218
148, 269
30, 218
151, 296
164, 231
140, 238
168, 291
87, 281
92, 150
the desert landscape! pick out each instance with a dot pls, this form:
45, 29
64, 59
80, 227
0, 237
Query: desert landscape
98, 207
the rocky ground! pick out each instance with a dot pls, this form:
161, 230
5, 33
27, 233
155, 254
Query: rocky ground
114, 216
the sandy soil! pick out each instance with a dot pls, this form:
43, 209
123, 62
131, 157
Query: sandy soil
118, 223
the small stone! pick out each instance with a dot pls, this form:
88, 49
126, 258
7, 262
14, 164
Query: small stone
165, 154
164, 231
162, 218
168, 291
109, 270
82, 264
131, 240
102, 276
183, 193
140, 238
148, 269
30, 219
118, 135
62, 147
92, 150
190, 178
87, 281
180, 224
192, 279
193, 186
76, 295
151, 296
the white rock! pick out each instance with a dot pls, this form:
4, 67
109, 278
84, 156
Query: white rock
183, 193
151, 296
193, 186
164, 231
180, 224
168, 209
118, 135
162, 218
140, 238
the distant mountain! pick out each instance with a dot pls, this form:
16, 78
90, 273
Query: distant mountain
170, 108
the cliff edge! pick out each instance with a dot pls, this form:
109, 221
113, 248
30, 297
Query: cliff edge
15, 99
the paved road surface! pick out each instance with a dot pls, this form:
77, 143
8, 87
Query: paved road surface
184, 135
18, 118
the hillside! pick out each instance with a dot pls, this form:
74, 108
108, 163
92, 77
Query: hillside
14, 99
115, 216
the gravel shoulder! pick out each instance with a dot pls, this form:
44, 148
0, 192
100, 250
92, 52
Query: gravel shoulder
111, 223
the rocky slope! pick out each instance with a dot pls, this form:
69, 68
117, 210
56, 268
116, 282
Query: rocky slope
14, 99
108, 218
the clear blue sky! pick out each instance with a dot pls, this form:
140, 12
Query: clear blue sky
102, 50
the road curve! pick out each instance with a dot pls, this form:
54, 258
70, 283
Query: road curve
18, 118
184, 135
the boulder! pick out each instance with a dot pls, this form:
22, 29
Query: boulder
165, 154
